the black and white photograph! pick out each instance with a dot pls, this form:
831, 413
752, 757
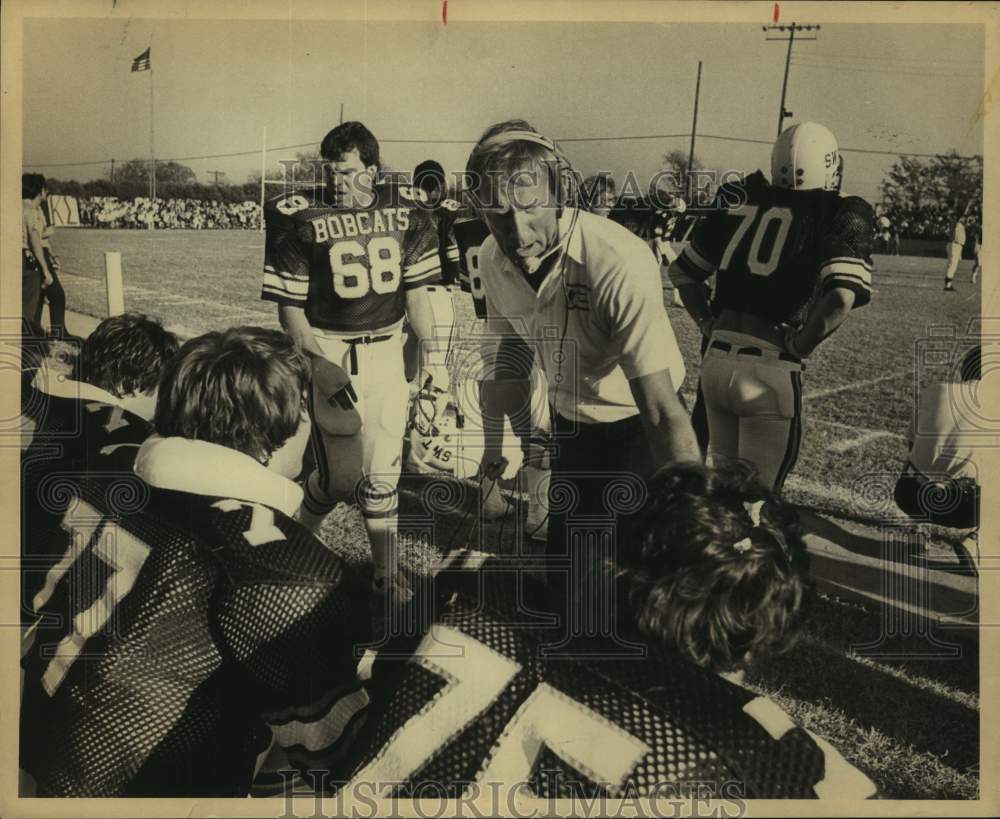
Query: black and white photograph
531, 409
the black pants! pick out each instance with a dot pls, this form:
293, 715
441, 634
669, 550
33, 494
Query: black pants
31, 295
56, 297
699, 414
599, 473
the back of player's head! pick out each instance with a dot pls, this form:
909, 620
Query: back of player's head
347, 137
125, 355
243, 389
806, 157
31, 185
429, 177
971, 368
506, 149
711, 572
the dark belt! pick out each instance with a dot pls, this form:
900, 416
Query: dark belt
725, 346
353, 344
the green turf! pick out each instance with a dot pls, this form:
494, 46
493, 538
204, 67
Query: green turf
912, 724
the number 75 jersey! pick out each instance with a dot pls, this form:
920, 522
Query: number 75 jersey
349, 268
775, 248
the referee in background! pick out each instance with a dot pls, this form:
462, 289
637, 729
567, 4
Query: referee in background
584, 294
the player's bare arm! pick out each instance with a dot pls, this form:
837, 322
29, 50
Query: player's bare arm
822, 322
294, 322
695, 297
664, 419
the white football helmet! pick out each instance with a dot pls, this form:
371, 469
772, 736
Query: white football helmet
805, 157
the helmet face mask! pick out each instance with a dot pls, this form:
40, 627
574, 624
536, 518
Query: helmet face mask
806, 157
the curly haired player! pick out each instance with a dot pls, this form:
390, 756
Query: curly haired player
708, 578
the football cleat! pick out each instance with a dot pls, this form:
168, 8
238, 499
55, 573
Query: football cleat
805, 157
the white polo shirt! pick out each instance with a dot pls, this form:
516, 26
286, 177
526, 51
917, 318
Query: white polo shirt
597, 320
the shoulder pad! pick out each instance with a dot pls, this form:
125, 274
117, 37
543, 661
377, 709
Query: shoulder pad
290, 203
855, 209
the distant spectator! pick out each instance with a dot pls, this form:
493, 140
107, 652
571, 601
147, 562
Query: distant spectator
940, 481
54, 293
35, 273
600, 193
975, 241
954, 250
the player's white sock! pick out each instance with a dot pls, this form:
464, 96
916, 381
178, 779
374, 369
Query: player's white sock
535, 483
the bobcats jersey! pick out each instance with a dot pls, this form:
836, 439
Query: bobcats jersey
775, 248
349, 268
470, 232
175, 625
73, 440
481, 699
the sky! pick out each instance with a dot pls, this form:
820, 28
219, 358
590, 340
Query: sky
218, 84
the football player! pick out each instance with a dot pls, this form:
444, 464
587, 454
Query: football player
190, 610
793, 258
710, 578
87, 425
344, 269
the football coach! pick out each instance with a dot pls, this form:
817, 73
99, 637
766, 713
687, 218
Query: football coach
584, 295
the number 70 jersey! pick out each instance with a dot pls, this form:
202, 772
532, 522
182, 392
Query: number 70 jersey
774, 248
349, 268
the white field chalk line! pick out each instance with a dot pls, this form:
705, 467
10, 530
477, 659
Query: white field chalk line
861, 440
854, 385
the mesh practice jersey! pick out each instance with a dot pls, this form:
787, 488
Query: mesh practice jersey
478, 701
73, 440
349, 268
171, 631
775, 248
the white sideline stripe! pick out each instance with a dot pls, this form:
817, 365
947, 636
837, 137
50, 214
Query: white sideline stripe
853, 386
860, 440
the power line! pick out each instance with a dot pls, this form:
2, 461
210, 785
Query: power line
839, 67
620, 138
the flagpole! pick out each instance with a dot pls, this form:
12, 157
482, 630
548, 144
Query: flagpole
152, 144
263, 173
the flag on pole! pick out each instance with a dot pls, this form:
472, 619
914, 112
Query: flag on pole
142, 63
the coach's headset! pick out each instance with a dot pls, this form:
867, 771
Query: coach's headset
563, 180
567, 191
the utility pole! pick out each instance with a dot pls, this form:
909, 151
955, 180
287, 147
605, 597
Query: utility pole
341, 113
112, 172
791, 28
694, 131
216, 174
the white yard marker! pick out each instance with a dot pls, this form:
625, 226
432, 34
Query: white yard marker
113, 279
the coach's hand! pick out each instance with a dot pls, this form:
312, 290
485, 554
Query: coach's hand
334, 398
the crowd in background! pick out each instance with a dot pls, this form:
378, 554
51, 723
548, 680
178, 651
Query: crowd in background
142, 212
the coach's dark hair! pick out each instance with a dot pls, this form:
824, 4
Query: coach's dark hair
348, 136
243, 389
31, 185
689, 589
125, 354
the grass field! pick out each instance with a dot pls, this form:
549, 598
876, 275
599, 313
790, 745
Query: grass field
912, 724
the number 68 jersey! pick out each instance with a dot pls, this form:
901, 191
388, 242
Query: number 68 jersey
349, 268
774, 248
